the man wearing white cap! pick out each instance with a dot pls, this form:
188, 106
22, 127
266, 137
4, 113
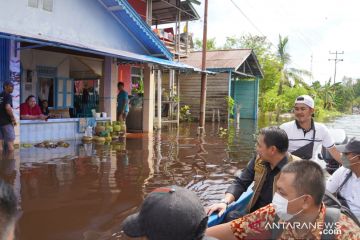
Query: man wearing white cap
305, 135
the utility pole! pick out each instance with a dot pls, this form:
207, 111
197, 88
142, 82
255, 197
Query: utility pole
336, 60
203, 72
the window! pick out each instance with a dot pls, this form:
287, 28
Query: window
64, 93
137, 85
44, 71
48, 5
33, 3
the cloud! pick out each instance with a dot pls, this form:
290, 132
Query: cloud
314, 28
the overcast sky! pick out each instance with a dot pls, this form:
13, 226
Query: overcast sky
314, 27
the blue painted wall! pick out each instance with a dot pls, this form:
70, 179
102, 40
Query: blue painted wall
4, 61
245, 93
75, 21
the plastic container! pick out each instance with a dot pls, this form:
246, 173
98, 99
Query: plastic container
89, 131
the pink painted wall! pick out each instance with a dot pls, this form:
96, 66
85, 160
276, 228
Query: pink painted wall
140, 7
124, 71
124, 75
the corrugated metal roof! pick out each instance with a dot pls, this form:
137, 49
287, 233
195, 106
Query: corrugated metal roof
219, 58
225, 59
129, 18
124, 55
166, 11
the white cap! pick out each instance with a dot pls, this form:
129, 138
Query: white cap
305, 99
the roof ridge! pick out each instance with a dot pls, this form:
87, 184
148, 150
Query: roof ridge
223, 50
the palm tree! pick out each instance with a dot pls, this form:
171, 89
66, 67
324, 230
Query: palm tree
284, 58
327, 93
289, 75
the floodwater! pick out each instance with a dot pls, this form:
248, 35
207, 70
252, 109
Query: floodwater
86, 190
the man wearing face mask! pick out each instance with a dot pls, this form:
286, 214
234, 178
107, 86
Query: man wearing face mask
345, 181
296, 212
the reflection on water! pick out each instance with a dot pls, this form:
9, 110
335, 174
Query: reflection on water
85, 191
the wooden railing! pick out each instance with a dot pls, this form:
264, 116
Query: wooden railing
182, 51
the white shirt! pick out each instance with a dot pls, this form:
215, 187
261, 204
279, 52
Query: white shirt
350, 191
298, 138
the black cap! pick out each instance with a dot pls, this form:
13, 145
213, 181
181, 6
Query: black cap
174, 213
353, 146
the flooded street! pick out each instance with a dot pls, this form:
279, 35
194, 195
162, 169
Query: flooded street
86, 190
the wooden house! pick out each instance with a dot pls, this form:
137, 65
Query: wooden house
238, 73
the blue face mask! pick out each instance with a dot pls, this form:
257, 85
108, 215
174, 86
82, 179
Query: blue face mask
346, 162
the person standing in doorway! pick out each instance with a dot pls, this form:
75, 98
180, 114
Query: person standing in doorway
7, 118
122, 103
305, 135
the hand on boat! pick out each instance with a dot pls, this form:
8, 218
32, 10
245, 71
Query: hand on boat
217, 207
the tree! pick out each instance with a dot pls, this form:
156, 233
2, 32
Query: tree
357, 88
327, 94
289, 76
210, 44
232, 43
284, 58
267, 60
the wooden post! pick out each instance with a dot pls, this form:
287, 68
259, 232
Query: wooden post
203, 73
237, 117
187, 38
213, 116
177, 30
218, 115
178, 96
149, 12
159, 104
171, 93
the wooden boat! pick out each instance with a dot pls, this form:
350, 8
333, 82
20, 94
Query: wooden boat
239, 205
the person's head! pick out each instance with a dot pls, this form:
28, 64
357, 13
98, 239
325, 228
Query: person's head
300, 189
120, 86
31, 101
304, 108
8, 87
44, 104
8, 211
271, 142
350, 154
168, 213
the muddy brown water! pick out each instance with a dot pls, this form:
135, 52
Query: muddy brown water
86, 190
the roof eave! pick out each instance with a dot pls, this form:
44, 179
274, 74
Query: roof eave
257, 64
144, 27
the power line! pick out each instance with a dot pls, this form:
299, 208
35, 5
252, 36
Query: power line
257, 28
298, 32
247, 18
